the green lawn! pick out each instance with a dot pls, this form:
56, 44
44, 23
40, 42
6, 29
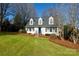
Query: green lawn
26, 45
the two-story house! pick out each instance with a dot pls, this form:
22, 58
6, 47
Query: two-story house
44, 25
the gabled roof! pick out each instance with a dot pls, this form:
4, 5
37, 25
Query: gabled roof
45, 22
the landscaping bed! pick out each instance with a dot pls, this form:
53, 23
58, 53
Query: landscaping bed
63, 42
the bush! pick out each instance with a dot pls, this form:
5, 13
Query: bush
67, 31
22, 31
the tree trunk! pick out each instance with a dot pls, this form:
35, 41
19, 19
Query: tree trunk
75, 41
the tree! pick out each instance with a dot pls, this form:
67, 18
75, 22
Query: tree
17, 20
73, 14
5, 25
3, 10
26, 11
58, 16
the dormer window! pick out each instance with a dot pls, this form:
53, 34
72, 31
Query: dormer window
31, 22
40, 21
51, 20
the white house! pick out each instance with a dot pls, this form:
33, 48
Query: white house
44, 25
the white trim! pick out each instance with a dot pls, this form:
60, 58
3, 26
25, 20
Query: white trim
43, 31
51, 20
40, 21
31, 22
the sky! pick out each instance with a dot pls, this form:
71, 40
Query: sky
40, 7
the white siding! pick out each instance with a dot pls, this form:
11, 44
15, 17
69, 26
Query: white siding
36, 30
58, 30
53, 31
28, 30
43, 31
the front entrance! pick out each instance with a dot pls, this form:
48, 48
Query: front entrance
39, 30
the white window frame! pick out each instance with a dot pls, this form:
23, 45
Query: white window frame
31, 22
51, 20
40, 21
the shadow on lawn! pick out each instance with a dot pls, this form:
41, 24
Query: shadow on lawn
8, 33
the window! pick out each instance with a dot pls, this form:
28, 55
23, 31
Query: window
55, 29
32, 29
31, 21
50, 29
46, 29
40, 21
29, 29
51, 21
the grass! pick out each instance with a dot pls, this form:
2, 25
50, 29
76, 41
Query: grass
26, 45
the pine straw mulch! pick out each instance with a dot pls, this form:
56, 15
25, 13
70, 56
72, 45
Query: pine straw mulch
63, 42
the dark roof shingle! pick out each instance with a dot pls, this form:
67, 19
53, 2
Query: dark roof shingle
45, 23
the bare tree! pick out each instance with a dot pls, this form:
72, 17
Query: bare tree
62, 16
58, 16
26, 11
73, 16
3, 10
17, 20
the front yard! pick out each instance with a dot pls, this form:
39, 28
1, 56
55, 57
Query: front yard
26, 45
